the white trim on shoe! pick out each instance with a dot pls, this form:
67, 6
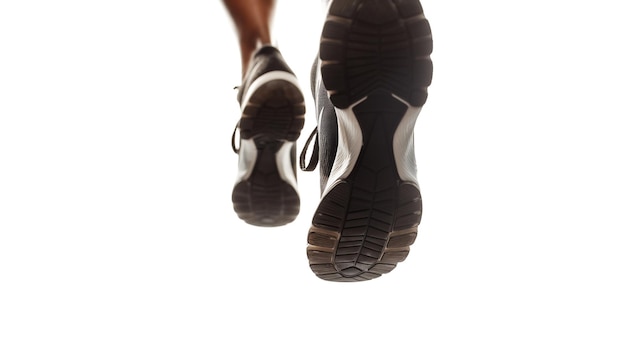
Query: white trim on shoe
266, 78
248, 157
350, 142
403, 143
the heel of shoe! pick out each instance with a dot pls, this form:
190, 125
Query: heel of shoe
274, 110
389, 49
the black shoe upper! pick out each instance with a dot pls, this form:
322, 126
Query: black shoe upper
265, 59
326, 133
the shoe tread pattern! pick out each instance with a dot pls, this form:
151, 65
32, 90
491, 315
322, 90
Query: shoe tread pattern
376, 44
376, 49
273, 115
265, 199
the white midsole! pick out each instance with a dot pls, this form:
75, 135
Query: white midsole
403, 143
265, 78
350, 143
248, 155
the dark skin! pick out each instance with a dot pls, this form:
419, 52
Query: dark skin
252, 19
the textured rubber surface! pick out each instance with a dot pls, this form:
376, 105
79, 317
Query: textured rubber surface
275, 111
273, 115
373, 52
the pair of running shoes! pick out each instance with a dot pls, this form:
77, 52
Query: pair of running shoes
369, 83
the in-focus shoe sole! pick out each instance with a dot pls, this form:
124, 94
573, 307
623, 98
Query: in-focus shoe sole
265, 193
375, 64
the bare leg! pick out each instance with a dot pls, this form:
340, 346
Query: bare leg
252, 19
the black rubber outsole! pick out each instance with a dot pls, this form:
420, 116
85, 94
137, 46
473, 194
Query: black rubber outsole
273, 115
373, 52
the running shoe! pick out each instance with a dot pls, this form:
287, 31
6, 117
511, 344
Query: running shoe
272, 115
369, 84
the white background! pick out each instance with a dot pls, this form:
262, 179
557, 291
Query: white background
117, 230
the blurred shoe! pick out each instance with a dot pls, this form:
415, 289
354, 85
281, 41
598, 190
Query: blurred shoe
369, 86
272, 115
